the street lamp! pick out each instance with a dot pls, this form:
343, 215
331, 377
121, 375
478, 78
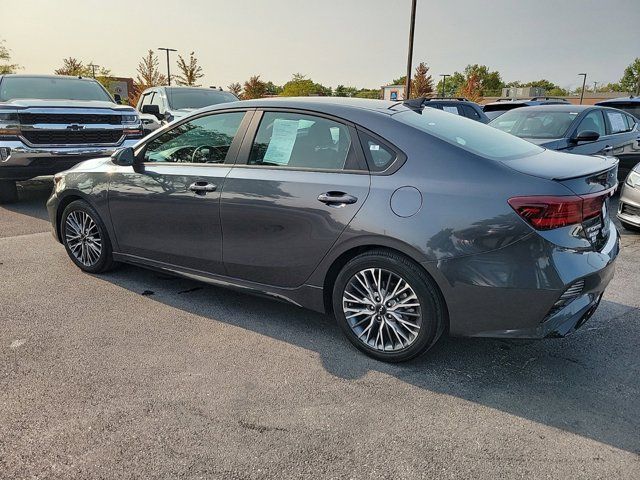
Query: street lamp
584, 82
407, 87
168, 70
444, 82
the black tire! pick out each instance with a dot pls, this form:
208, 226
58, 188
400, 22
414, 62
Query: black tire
432, 312
8, 191
104, 261
628, 226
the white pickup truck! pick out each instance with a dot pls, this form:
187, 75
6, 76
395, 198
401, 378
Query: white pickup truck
50, 123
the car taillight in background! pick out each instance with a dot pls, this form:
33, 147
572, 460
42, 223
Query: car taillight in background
549, 212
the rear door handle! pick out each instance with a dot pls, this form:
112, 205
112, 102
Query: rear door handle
337, 199
201, 188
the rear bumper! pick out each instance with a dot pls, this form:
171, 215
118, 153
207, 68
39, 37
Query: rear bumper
512, 292
24, 162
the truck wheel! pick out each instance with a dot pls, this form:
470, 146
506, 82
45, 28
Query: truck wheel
8, 191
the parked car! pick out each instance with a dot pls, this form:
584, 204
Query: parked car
495, 109
161, 105
49, 123
587, 130
629, 204
630, 105
457, 106
401, 223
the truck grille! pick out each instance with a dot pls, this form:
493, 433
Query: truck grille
70, 137
67, 118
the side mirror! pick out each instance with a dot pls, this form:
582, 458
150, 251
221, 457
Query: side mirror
123, 157
152, 110
117, 98
586, 136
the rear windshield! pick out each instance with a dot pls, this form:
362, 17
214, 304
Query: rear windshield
535, 123
469, 135
192, 98
632, 108
51, 89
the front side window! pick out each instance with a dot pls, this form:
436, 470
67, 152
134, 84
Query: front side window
157, 100
535, 123
617, 122
300, 141
592, 122
202, 140
474, 137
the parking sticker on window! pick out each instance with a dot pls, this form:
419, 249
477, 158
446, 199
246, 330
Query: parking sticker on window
283, 138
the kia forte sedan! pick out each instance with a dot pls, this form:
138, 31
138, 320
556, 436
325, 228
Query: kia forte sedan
402, 222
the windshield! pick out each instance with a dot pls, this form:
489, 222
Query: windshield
180, 98
51, 88
469, 135
535, 123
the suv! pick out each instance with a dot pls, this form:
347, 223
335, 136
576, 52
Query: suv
161, 105
497, 108
458, 106
50, 123
628, 104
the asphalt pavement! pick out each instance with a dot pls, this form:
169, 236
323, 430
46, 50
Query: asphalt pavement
136, 374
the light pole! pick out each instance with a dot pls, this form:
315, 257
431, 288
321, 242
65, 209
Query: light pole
168, 69
584, 82
407, 86
595, 87
444, 82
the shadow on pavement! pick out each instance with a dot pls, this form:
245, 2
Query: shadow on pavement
587, 384
32, 198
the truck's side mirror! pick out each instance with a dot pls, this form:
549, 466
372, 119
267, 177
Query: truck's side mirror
117, 98
152, 110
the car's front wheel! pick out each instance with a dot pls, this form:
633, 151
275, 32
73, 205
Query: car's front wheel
85, 237
387, 306
8, 191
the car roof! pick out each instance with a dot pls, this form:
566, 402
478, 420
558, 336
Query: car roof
630, 99
339, 106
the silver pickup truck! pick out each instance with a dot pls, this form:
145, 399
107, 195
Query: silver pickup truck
50, 123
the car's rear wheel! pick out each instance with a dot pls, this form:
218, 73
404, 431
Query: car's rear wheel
85, 237
631, 228
8, 191
387, 306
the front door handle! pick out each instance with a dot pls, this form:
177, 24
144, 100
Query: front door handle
201, 188
337, 199
607, 149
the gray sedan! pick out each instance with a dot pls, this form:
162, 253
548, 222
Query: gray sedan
629, 205
402, 222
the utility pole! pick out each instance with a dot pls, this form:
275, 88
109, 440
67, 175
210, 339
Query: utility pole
584, 82
93, 68
168, 68
595, 87
407, 87
444, 82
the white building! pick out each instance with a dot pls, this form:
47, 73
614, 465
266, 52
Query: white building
393, 92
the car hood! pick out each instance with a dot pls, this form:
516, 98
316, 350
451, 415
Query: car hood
38, 103
560, 166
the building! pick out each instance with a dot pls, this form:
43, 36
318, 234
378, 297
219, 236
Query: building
392, 92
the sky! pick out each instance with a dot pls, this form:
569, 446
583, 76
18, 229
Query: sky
360, 43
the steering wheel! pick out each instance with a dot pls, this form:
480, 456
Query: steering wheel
214, 151
196, 150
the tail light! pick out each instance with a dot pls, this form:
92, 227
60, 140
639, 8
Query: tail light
549, 212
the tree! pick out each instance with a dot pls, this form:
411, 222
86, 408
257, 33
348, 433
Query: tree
342, 91
254, 88
630, 81
422, 84
148, 76
273, 89
472, 88
235, 88
73, 67
189, 72
5, 56
399, 81
368, 93
301, 86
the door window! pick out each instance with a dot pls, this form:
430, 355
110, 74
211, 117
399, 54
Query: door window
300, 141
379, 155
470, 112
593, 122
157, 100
617, 122
202, 140
455, 109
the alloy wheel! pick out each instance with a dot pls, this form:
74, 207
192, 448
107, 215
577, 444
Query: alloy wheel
83, 238
382, 309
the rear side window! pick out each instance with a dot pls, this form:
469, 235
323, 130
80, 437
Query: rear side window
474, 137
300, 141
379, 155
455, 109
617, 122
